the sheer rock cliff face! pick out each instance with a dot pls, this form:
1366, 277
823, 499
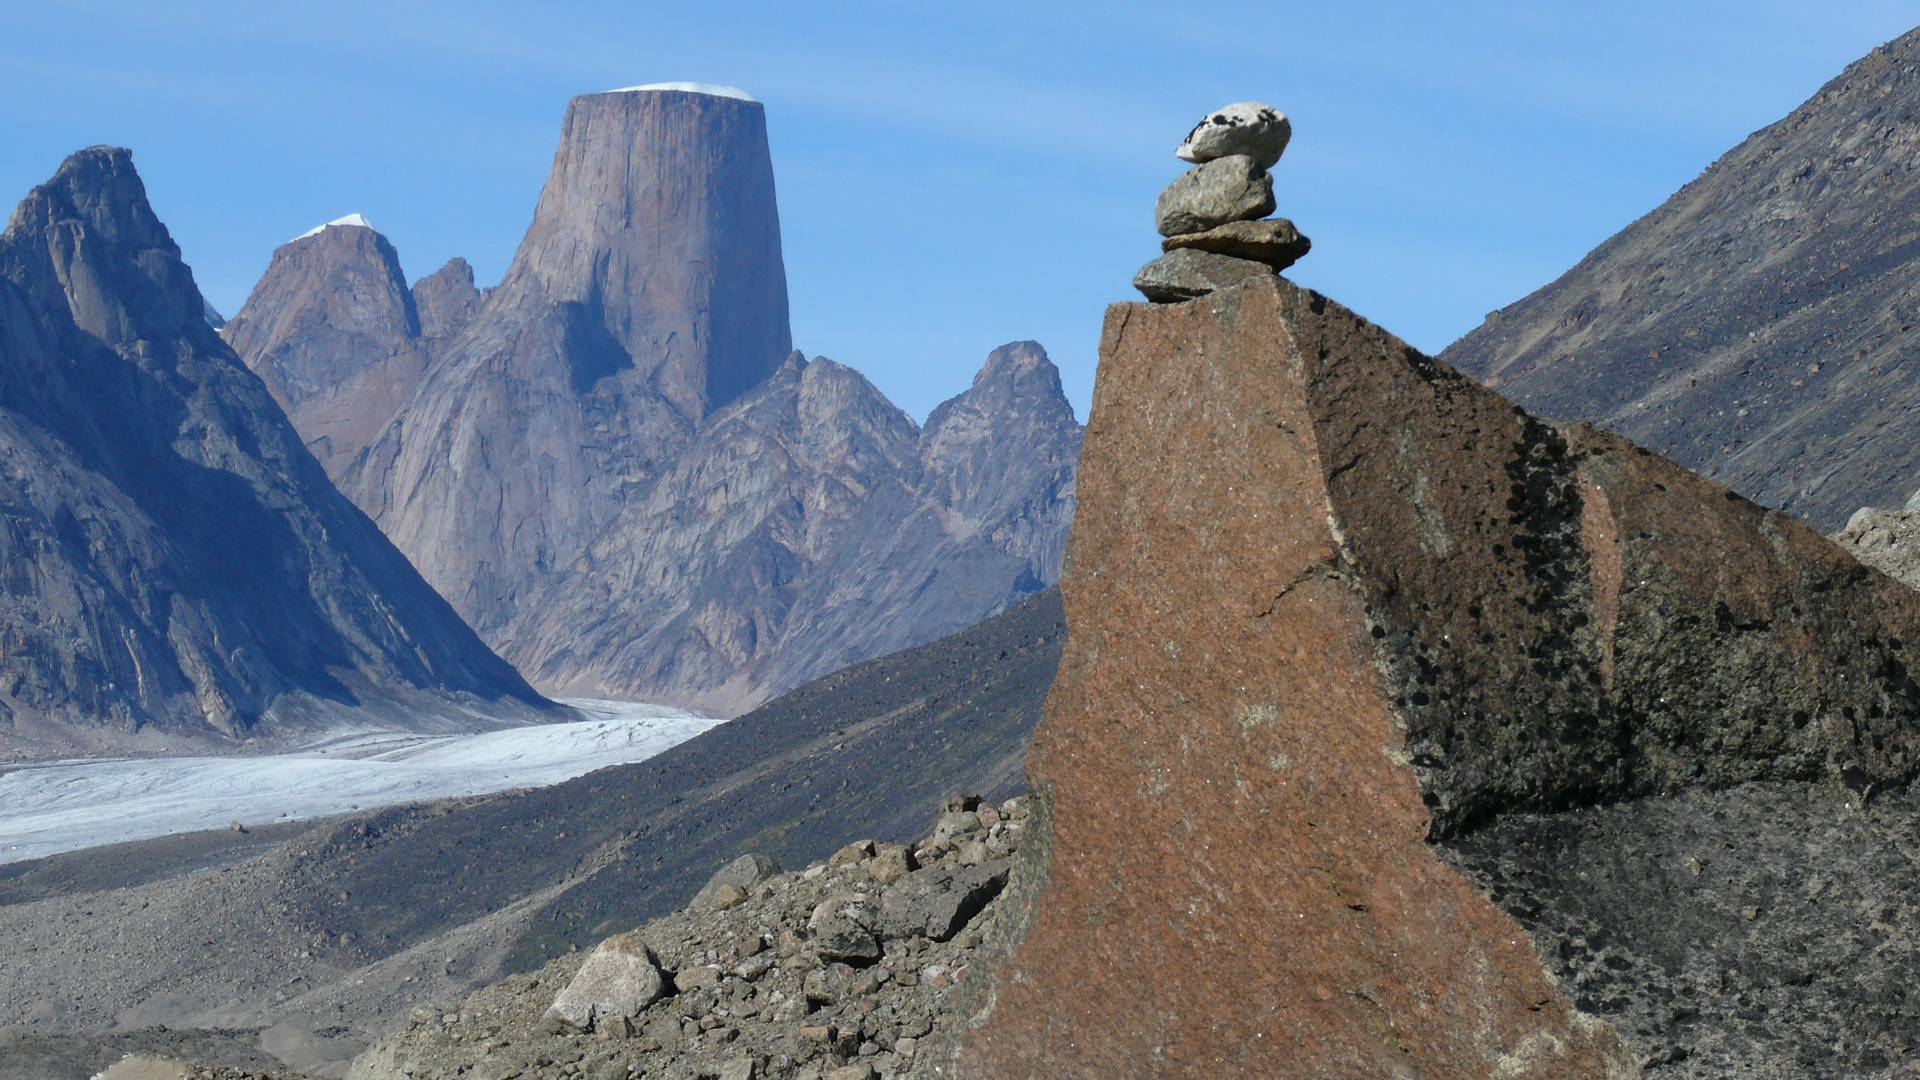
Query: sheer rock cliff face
176, 562
1757, 326
1363, 617
604, 466
335, 333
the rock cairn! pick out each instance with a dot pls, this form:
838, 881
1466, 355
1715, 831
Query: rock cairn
837, 972
1211, 215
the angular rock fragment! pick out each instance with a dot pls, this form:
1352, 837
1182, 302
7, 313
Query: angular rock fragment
1887, 540
1232, 188
843, 929
1186, 274
1274, 242
620, 979
1261, 132
936, 902
744, 872
1413, 610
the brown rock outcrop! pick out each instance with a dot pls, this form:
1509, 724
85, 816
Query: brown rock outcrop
176, 563
1359, 604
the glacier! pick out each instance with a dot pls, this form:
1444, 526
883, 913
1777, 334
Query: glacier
61, 806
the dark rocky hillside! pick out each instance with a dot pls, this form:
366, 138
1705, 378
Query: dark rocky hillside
176, 563
1760, 325
326, 942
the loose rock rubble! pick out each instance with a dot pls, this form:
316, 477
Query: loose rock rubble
836, 972
1209, 215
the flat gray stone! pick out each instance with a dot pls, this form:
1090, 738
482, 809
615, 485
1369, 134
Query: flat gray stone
1184, 274
842, 929
1274, 242
1232, 188
745, 871
936, 902
621, 978
1261, 132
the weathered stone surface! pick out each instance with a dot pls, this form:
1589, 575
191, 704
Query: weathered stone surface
1756, 325
1274, 242
1412, 610
744, 872
1261, 132
937, 901
1232, 188
842, 929
620, 979
1887, 540
177, 562
1186, 274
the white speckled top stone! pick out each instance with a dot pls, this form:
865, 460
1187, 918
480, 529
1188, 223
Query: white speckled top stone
1259, 131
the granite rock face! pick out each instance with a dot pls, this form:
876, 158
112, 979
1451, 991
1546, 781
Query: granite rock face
616, 472
1887, 540
1232, 188
1363, 614
1757, 325
333, 330
178, 562
446, 299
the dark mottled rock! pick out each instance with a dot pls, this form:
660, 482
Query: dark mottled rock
1274, 242
843, 928
1186, 274
1416, 614
937, 901
1757, 325
1232, 188
178, 563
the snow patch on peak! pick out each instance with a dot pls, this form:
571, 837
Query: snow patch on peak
710, 89
350, 219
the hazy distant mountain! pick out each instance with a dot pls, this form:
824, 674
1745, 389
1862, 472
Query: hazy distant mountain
609, 463
176, 563
1759, 326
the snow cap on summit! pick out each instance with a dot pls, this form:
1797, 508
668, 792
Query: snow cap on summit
691, 88
350, 219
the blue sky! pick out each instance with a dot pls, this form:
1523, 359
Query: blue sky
949, 179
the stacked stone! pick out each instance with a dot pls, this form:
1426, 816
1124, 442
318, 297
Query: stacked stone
1211, 215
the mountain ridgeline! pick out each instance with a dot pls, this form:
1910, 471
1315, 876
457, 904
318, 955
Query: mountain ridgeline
1758, 326
614, 465
176, 562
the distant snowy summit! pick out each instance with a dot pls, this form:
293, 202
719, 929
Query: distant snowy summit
692, 88
350, 219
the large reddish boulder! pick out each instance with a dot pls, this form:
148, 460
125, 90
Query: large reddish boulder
1330, 605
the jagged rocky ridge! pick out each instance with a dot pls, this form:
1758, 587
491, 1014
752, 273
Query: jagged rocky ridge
616, 470
1759, 324
1468, 744
177, 564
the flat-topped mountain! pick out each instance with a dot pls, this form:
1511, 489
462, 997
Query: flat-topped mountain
1759, 324
177, 563
613, 465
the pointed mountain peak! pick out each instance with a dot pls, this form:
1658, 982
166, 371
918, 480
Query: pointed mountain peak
446, 299
88, 240
351, 221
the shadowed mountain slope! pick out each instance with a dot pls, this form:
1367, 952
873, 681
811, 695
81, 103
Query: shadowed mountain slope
1759, 325
176, 562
